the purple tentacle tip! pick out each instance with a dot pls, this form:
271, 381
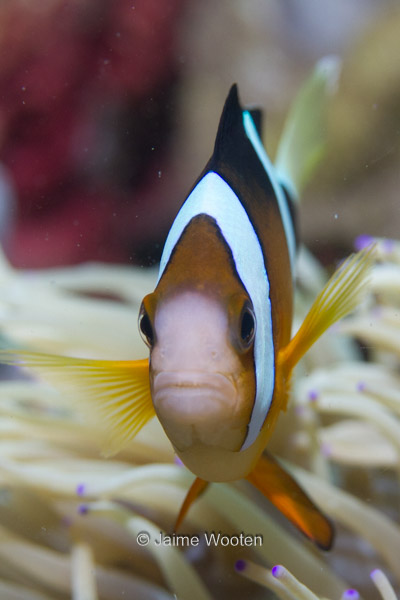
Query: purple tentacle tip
326, 449
277, 571
83, 509
362, 241
374, 573
351, 594
240, 565
361, 386
80, 489
389, 245
313, 395
178, 461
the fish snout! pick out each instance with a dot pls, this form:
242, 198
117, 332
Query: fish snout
197, 407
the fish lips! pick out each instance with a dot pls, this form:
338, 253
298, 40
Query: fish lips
194, 406
193, 393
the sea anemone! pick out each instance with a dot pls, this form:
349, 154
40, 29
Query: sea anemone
74, 524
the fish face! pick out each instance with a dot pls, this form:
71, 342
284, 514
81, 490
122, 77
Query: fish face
201, 367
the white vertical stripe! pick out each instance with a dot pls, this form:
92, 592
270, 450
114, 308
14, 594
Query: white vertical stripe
286, 217
213, 196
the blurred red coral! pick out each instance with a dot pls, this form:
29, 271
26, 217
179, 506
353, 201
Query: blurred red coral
84, 115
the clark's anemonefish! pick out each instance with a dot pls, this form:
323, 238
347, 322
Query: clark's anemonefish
218, 324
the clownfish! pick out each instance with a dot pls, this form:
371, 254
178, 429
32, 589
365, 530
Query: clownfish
218, 324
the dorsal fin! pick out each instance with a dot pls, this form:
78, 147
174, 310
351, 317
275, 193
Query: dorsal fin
258, 118
230, 124
234, 156
240, 159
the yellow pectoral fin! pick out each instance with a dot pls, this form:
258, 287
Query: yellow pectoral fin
196, 489
283, 491
341, 294
116, 392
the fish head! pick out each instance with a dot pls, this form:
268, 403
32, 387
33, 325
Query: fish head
201, 366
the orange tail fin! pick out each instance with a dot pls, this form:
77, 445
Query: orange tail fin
282, 490
196, 489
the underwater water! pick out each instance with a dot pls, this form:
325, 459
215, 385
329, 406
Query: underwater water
107, 114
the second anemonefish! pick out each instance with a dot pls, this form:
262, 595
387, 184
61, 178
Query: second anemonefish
218, 324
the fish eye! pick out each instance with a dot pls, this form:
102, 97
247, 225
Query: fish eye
247, 327
145, 328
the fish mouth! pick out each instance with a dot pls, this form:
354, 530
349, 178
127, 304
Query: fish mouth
193, 394
199, 409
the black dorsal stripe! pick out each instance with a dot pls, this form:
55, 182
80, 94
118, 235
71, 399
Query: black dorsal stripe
235, 159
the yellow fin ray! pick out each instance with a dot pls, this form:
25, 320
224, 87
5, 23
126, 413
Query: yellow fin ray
304, 137
116, 393
341, 294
